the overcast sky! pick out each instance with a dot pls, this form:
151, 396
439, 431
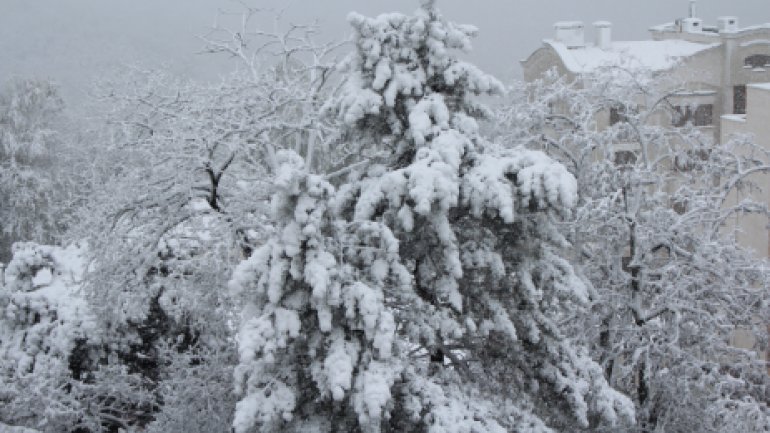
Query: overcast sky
75, 41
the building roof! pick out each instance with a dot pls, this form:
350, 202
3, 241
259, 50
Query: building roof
568, 24
714, 31
652, 55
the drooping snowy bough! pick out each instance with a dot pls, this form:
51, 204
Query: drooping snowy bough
423, 292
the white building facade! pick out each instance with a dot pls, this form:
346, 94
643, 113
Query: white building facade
711, 66
720, 82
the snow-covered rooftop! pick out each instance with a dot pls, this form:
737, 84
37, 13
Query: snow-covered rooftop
755, 42
653, 55
715, 31
568, 24
665, 27
765, 26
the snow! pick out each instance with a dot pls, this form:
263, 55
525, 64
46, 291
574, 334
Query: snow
652, 55
539, 179
43, 315
756, 27
568, 24
51, 275
43, 277
735, 117
372, 392
428, 115
359, 103
278, 403
762, 86
338, 365
755, 42
4, 428
447, 410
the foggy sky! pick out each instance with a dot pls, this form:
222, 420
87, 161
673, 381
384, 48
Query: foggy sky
75, 41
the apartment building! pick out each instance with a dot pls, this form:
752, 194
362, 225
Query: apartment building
753, 122
709, 66
712, 71
719, 78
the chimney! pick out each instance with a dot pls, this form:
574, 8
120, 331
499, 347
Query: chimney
603, 34
727, 24
692, 8
570, 33
692, 25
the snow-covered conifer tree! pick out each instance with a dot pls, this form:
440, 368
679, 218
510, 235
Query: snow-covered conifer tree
424, 291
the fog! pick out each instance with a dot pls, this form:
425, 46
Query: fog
75, 41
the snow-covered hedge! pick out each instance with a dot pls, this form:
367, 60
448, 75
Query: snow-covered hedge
43, 320
43, 314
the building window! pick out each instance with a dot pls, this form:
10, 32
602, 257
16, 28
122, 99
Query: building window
702, 115
691, 159
622, 113
625, 264
757, 61
621, 118
739, 99
618, 114
624, 158
680, 115
679, 206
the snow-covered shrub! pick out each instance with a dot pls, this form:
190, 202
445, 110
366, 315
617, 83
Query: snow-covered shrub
44, 325
44, 316
58, 372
